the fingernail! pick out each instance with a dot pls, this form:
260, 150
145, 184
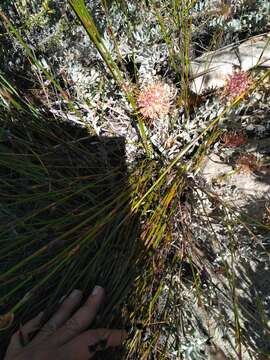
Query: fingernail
97, 290
75, 294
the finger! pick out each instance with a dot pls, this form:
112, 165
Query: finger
84, 346
61, 316
22, 335
28, 328
14, 345
81, 320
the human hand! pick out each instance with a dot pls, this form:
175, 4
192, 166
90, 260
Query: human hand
64, 336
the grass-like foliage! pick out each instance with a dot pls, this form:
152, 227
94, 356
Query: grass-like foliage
72, 215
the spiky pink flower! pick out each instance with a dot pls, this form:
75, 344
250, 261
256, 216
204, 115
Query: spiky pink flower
248, 163
154, 101
233, 139
236, 85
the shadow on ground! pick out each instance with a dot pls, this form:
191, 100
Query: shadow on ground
254, 281
66, 220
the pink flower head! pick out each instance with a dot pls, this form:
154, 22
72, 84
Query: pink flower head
154, 101
248, 163
236, 84
233, 139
